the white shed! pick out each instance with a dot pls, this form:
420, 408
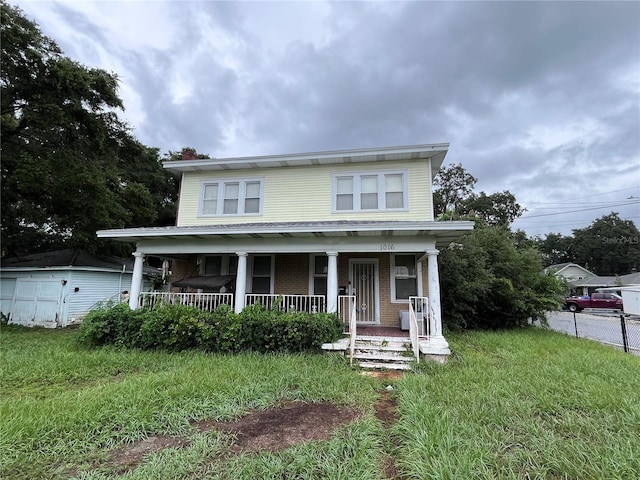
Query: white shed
57, 289
631, 299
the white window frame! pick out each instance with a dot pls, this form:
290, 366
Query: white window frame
224, 263
312, 271
242, 196
356, 184
272, 274
392, 277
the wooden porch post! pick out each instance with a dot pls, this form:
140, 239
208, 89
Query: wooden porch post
241, 281
332, 282
136, 281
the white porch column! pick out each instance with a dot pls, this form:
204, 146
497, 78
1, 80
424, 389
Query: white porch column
241, 281
136, 280
332, 282
434, 298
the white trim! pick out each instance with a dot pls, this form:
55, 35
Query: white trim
221, 183
376, 264
356, 183
392, 277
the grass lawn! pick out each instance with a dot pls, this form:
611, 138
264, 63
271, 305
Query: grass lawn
521, 404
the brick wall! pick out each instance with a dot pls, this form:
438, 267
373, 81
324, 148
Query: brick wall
292, 274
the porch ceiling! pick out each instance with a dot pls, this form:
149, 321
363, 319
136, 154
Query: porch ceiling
443, 232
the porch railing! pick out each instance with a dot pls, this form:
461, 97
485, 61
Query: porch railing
288, 303
419, 315
203, 301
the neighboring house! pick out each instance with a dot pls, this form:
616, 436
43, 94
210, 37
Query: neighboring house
312, 228
570, 271
58, 288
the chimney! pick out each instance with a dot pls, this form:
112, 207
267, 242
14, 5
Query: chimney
189, 154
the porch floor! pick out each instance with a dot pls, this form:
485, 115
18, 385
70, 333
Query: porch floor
380, 331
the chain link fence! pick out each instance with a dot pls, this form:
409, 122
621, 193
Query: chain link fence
611, 328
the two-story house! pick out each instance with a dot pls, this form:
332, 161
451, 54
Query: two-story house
310, 229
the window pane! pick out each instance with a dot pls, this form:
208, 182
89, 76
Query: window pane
261, 285
230, 207
252, 205
253, 190
210, 192
320, 286
233, 265
262, 265
213, 265
394, 200
369, 201
344, 202
321, 262
369, 184
405, 265
209, 207
344, 185
406, 287
231, 190
393, 183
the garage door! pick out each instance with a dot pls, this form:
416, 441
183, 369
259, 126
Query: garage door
36, 302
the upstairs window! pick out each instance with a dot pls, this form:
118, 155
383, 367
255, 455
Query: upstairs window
371, 191
231, 197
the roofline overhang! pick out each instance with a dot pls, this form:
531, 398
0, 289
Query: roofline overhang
400, 228
436, 152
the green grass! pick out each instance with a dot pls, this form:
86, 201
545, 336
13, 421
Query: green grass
521, 404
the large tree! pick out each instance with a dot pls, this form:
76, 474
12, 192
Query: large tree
454, 198
70, 166
609, 246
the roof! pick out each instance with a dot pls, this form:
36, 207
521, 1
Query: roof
436, 152
557, 268
444, 231
70, 258
615, 281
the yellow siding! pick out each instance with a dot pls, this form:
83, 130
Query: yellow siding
296, 194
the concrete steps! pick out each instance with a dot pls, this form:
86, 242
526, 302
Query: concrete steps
383, 353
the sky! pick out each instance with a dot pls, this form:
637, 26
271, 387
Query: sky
538, 98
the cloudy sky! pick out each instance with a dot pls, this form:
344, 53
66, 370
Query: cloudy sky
538, 98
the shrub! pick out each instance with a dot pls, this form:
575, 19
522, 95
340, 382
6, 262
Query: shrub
111, 324
178, 327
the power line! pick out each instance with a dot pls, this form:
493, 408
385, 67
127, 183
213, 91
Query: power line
578, 210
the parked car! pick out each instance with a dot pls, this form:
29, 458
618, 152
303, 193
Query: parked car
596, 300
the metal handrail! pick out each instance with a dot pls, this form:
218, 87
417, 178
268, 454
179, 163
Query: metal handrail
421, 306
352, 330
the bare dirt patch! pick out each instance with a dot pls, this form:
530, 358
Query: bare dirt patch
279, 428
274, 429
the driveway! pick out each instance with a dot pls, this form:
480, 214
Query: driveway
602, 325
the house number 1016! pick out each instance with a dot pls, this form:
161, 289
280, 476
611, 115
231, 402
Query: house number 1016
387, 246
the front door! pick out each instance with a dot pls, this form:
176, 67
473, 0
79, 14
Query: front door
364, 283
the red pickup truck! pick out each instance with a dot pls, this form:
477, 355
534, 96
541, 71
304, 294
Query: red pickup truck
596, 300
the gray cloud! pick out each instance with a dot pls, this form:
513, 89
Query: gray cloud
540, 98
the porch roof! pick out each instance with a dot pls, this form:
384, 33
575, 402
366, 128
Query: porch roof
436, 152
444, 232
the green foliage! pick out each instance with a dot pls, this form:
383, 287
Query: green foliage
178, 327
69, 165
609, 246
487, 281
